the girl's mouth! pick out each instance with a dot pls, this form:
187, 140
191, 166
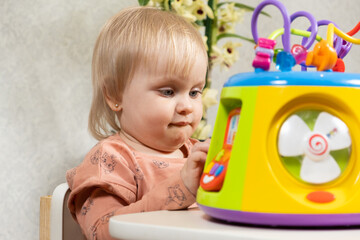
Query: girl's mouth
179, 124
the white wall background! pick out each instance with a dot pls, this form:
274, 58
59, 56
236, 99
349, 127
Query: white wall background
45, 90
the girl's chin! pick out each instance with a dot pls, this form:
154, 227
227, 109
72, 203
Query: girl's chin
167, 147
172, 146
180, 139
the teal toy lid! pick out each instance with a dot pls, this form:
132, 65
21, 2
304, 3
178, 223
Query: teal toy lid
294, 78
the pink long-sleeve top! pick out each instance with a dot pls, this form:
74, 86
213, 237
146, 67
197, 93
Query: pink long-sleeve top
114, 179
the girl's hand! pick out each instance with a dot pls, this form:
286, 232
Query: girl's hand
193, 168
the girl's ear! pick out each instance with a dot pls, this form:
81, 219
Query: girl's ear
114, 104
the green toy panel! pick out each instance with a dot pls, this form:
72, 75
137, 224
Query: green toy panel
231, 98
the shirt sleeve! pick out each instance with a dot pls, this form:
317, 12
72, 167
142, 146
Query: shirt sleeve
105, 185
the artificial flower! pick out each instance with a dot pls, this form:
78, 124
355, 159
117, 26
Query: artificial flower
225, 27
229, 13
216, 56
189, 3
230, 54
202, 132
200, 10
183, 11
177, 4
155, 3
209, 98
204, 38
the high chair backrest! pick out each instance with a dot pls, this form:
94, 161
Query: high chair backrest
62, 225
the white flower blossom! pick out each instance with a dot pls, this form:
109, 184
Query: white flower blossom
216, 56
183, 11
231, 55
202, 132
226, 56
155, 3
209, 98
230, 13
204, 38
225, 27
200, 10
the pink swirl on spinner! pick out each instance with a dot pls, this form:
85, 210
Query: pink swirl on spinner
318, 144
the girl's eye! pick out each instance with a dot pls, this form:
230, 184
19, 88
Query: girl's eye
166, 92
194, 93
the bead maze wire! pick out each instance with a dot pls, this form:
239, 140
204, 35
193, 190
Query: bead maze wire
326, 55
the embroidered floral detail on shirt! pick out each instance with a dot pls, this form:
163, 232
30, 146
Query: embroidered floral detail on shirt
89, 202
95, 157
108, 163
70, 176
92, 233
176, 194
106, 218
139, 175
103, 220
161, 164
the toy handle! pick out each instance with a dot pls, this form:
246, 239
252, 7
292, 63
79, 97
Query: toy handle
286, 18
313, 28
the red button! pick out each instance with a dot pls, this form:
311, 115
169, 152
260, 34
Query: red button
320, 197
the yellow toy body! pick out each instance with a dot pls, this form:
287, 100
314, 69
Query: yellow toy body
260, 185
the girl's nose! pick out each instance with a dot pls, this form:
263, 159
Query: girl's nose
184, 106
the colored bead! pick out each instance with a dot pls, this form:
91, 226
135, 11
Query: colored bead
264, 53
299, 53
284, 61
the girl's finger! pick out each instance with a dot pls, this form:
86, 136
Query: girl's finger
201, 146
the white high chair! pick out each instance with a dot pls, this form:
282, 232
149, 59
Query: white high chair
62, 226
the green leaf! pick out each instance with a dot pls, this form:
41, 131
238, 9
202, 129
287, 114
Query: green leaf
243, 6
143, 2
233, 35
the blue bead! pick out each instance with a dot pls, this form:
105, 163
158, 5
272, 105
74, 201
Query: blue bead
285, 61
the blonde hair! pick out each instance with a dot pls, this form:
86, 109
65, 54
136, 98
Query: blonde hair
131, 39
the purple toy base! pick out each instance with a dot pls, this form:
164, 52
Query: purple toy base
286, 220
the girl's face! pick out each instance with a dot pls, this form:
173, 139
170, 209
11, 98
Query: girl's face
159, 112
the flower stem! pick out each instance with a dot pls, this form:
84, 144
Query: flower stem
211, 34
166, 5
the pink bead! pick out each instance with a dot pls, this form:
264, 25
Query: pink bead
262, 60
266, 43
299, 53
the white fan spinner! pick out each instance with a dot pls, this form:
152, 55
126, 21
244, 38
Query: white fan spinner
329, 134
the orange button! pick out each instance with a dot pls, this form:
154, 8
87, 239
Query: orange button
320, 197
